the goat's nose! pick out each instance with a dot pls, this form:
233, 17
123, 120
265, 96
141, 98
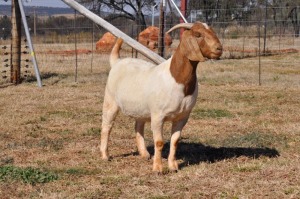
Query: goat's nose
220, 48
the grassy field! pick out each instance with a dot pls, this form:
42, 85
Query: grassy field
242, 140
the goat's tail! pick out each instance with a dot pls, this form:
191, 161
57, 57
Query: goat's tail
115, 52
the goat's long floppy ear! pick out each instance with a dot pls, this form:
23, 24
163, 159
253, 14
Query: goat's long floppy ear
190, 47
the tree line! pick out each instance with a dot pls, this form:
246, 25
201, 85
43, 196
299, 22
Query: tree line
277, 12
281, 13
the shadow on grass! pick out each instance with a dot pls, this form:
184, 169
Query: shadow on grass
44, 76
195, 153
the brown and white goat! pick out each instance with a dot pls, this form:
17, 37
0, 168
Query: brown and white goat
158, 93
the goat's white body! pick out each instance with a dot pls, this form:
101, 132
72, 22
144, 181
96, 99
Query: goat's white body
157, 93
143, 90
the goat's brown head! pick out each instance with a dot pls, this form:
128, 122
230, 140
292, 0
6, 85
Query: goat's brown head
199, 41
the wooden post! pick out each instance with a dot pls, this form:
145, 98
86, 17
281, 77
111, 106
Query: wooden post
15, 76
161, 44
182, 9
75, 42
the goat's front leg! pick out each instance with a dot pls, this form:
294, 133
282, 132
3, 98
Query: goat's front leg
110, 110
177, 127
140, 141
157, 126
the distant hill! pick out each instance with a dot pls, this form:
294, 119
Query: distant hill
46, 11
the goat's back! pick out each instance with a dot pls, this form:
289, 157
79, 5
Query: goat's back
141, 88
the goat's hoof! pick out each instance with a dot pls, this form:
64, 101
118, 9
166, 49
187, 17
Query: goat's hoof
146, 156
173, 166
106, 158
158, 173
173, 170
158, 169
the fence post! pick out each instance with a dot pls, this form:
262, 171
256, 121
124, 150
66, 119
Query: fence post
161, 28
32, 53
243, 53
15, 76
93, 40
259, 55
183, 6
279, 42
75, 42
265, 28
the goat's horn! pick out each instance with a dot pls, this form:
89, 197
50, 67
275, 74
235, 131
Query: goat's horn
181, 25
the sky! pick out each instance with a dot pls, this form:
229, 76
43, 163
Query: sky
46, 3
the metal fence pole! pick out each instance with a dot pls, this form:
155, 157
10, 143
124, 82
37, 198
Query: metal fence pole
259, 55
265, 28
32, 53
75, 42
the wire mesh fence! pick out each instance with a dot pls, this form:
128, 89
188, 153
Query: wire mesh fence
252, 35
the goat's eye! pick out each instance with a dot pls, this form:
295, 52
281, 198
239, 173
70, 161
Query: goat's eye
197, 34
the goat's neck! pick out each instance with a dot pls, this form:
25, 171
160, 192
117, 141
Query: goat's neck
184, 72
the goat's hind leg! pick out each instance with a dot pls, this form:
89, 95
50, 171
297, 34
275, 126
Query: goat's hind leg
140, 141
110, 110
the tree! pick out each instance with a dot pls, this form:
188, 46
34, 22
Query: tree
223, 10
295, 17
207, 7
131, 9
284, 11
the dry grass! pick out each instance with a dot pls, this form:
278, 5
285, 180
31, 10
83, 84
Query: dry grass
242, 140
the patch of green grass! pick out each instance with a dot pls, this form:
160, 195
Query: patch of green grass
276, 78
245, 97
33, 134
112, 180
160, 197
211, 113
114, 192
27, 175
290, 190
247, 168
55, 145
227, 194
255, 139
92, 132
279, 95
289, 72
64, 132
43, 119
218, 81
98, 193
6, 160
78, 171
63, 114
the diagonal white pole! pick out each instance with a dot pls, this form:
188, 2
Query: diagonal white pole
115, 31
181, 15
32, 53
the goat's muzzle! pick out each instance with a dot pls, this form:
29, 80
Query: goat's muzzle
216, 51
